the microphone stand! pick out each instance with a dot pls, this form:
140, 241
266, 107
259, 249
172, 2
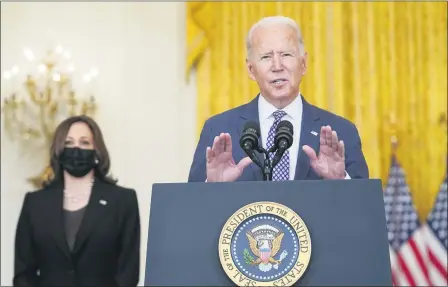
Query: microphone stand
267, 167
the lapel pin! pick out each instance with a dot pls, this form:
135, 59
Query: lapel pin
313, 133
103, 202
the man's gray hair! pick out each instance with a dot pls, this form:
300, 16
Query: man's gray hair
275, 20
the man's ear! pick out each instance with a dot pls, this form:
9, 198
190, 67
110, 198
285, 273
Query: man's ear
250, 69
304, 63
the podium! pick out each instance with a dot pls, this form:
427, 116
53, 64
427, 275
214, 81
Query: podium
303, 233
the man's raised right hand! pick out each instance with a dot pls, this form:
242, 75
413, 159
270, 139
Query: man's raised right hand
221, 166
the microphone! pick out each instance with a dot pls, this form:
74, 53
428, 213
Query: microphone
249, 141
282, 141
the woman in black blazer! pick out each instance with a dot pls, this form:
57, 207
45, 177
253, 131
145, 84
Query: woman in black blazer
81, 229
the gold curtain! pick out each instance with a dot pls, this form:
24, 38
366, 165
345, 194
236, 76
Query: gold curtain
382, 65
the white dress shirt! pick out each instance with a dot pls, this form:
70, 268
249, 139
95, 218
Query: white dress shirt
294, 115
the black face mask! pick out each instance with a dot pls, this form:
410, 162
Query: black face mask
76, 161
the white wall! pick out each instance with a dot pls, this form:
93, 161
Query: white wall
146, 110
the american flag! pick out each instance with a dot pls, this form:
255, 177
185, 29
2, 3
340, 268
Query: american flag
406, 242
436, 238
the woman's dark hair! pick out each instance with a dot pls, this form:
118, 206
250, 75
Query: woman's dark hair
58, 145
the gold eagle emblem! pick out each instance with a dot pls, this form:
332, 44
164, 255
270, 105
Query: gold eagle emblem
265, 246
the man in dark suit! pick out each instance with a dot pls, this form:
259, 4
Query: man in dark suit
325, 146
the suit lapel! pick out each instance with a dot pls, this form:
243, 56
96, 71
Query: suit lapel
309, 135
56, 215
96, 208
250, 113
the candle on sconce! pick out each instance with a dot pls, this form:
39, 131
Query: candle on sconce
59, 49
69, 71
86, 82
41, 79
12, 78
15, 70
6, 88
15, 76
89, 81
56, 77
29, 55
93, 75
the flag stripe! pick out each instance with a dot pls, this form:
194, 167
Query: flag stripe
398, 277
419, 255
435, 247
435, 232
438, 253
394, 281
437, 279
405, 270
410, 256
438, 265
394, 271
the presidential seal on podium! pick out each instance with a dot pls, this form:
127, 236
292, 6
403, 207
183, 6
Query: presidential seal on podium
265, 244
